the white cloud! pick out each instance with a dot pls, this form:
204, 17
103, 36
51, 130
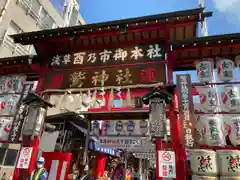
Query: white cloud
230, 7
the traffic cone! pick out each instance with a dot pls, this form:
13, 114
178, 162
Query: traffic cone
4, 176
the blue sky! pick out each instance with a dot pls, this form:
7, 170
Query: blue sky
224, 20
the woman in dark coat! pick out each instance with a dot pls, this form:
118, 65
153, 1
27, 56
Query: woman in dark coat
119, 173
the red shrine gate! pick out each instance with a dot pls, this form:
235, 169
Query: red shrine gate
167, 31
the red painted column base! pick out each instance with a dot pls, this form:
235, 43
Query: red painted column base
100, 165
159, 147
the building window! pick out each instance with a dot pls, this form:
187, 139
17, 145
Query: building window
43, 15
74, 17
13, 28
8, 157
2, 154
11, 157
36, 6
49, 21
45, 21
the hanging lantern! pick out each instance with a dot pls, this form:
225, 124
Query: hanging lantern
214, 130
208, 98
130, 126
119, 127
233, 124
157, 100
143, 127
225, 68
35, 115
237, 60
230, 98
205, 70
105, 128
95, 128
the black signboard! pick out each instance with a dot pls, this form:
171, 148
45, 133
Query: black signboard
115, 56
119, 76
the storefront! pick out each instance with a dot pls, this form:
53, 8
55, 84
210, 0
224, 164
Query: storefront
101, 159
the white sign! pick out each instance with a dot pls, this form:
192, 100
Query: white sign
167, 165
24, 158
145, 155
122, 142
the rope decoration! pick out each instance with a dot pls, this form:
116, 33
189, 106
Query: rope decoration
103, 89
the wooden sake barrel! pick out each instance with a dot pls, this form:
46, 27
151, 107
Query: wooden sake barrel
230, 178
229, 161
203, 162
197, 177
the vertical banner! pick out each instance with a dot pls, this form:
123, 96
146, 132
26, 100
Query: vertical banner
186, 110
19, 117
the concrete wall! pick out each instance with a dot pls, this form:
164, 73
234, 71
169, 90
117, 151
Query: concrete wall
21, 16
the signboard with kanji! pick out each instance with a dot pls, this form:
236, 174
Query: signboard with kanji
114, 76
18, 120
167, 165
112, 56
145, 155
186, 110
24, 158
117, 142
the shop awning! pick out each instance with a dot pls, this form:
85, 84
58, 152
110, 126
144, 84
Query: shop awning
70, 119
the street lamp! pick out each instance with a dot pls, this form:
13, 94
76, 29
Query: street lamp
35, 116
157, 100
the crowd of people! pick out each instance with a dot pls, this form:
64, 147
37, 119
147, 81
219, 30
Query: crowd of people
119, 172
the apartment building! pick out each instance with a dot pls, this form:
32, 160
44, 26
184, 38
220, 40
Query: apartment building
18, 16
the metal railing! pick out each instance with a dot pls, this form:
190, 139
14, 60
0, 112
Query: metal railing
27, 5
17, 49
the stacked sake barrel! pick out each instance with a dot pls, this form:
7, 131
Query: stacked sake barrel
215, 165
216, 129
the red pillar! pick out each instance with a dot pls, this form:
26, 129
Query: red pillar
159, 147
36, 141
27, 142
100, 165
181, 163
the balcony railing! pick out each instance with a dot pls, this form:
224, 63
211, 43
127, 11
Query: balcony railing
28, 7
17, 49
36, 15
